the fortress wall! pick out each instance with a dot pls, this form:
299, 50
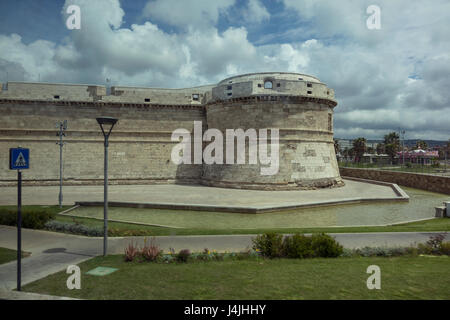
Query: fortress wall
300, 106
306, 149
157, 96
286, 87
52, 91
423, 181
139, 151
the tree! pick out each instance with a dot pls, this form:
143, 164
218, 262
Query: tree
421, 144
380, 148
359, 147
392, 144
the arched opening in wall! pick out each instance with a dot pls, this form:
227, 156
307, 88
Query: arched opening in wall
268, 84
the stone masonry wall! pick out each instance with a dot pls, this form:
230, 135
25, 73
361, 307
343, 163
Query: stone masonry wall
139, 150
428, 182
306, 149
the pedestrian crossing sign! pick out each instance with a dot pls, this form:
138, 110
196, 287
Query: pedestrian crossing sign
19, 158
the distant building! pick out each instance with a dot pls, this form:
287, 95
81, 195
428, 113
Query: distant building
418, 156
345, 144
375, 158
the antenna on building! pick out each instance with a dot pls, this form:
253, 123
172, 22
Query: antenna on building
108, 86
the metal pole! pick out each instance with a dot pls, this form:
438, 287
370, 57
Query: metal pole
105, 206
19, 229
60, 164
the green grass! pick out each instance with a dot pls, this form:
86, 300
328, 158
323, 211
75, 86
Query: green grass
7, 255
341, 278
122, 228
31, 208
127, 229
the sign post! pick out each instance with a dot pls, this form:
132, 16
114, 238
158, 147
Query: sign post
19, 158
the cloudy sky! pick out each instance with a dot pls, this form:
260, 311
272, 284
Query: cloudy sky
386, 79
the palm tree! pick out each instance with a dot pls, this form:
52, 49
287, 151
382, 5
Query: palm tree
421, 144
359, 147
392, 144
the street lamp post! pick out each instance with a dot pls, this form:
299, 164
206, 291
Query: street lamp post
62, 127
106, 124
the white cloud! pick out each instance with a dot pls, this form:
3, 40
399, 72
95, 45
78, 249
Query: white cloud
183, 14
255, 12
371, 71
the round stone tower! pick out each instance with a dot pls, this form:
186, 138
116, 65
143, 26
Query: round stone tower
300, 107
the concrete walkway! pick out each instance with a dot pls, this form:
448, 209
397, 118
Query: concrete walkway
196, 196
52, 252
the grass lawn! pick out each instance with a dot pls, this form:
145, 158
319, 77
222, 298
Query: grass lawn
121, 229
31, 208
341, 278
7, 255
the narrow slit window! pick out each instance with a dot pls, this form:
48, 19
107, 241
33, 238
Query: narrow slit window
56, 97
147, 100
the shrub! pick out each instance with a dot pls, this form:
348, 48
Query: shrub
297, 246
151, 251
435, 242
74, 228
131, 252
325, 246
384, 251
183, 255
269, 245
33, 219
445, 248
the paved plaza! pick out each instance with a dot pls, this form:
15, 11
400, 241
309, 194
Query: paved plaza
207, 198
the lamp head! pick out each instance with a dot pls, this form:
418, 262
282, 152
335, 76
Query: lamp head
106, 124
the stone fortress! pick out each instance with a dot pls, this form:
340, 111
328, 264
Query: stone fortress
299, 105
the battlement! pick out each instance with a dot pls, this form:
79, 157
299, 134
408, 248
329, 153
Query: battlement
41, 91
247, 85
273, 84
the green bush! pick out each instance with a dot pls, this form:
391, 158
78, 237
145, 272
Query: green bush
445, 248
273, 245
380, 252
74, 228
269, 245
297, 246
325, 246
183, 255
33, 219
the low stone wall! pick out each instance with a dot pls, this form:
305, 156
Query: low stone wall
427, 182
